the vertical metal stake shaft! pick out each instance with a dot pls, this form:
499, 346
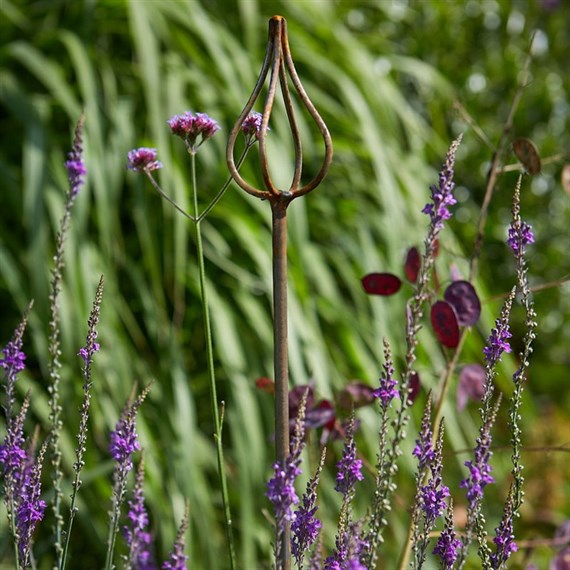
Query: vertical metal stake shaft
279, 219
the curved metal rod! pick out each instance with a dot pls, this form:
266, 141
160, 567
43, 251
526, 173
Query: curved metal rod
275, 31
235, 131
313, 112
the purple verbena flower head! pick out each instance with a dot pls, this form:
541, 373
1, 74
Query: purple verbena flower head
193, 129
442, 194
76, 170
177, 558
251, 126
497, 343
143, 160
520, 237
424, 448
349, 469
387, 390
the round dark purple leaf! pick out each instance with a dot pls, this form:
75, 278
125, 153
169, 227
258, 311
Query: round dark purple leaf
355, 395
412, 265
444, 323
381, 283
463, 297
527, 153
471, 384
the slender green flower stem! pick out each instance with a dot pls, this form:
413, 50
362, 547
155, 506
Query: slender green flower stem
211, 372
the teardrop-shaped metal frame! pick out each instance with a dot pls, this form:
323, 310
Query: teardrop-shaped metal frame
278, 59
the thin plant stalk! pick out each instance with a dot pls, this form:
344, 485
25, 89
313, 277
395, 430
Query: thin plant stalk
210, 362
87, 353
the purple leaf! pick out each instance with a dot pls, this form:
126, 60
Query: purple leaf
471, 384
355, 394
381, 283
463, 297
444, 323
412, 264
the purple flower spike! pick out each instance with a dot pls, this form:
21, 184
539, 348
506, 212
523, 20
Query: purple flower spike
504, 538
137, 537
305, 528
193, 129
497, 342
387, 390
479, 469
520, 237
448, 545
442, 194
143, 160
348, 468
76, 170
124, 440
177, 558
424, 449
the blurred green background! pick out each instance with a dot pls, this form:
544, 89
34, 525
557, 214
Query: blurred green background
384, 76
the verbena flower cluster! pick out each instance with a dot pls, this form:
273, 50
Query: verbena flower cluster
193, 129
143, 160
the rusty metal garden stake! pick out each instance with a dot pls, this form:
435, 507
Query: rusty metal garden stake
278, 59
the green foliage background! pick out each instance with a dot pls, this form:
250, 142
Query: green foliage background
384, 76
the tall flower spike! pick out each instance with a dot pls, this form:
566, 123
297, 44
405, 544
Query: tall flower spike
75, 165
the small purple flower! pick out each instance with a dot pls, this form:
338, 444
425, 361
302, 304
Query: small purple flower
479, 469
138, 539
387, 390
84, 353
432, 497
143, 160
305, 528
447, 548
14, 358
124, 440
424, 448
442, 194
251, 126
504, 538
497, 342
30, 508
281, 488
190, 127
348, 468
177, 558
76, 170
448, 544
520, 237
